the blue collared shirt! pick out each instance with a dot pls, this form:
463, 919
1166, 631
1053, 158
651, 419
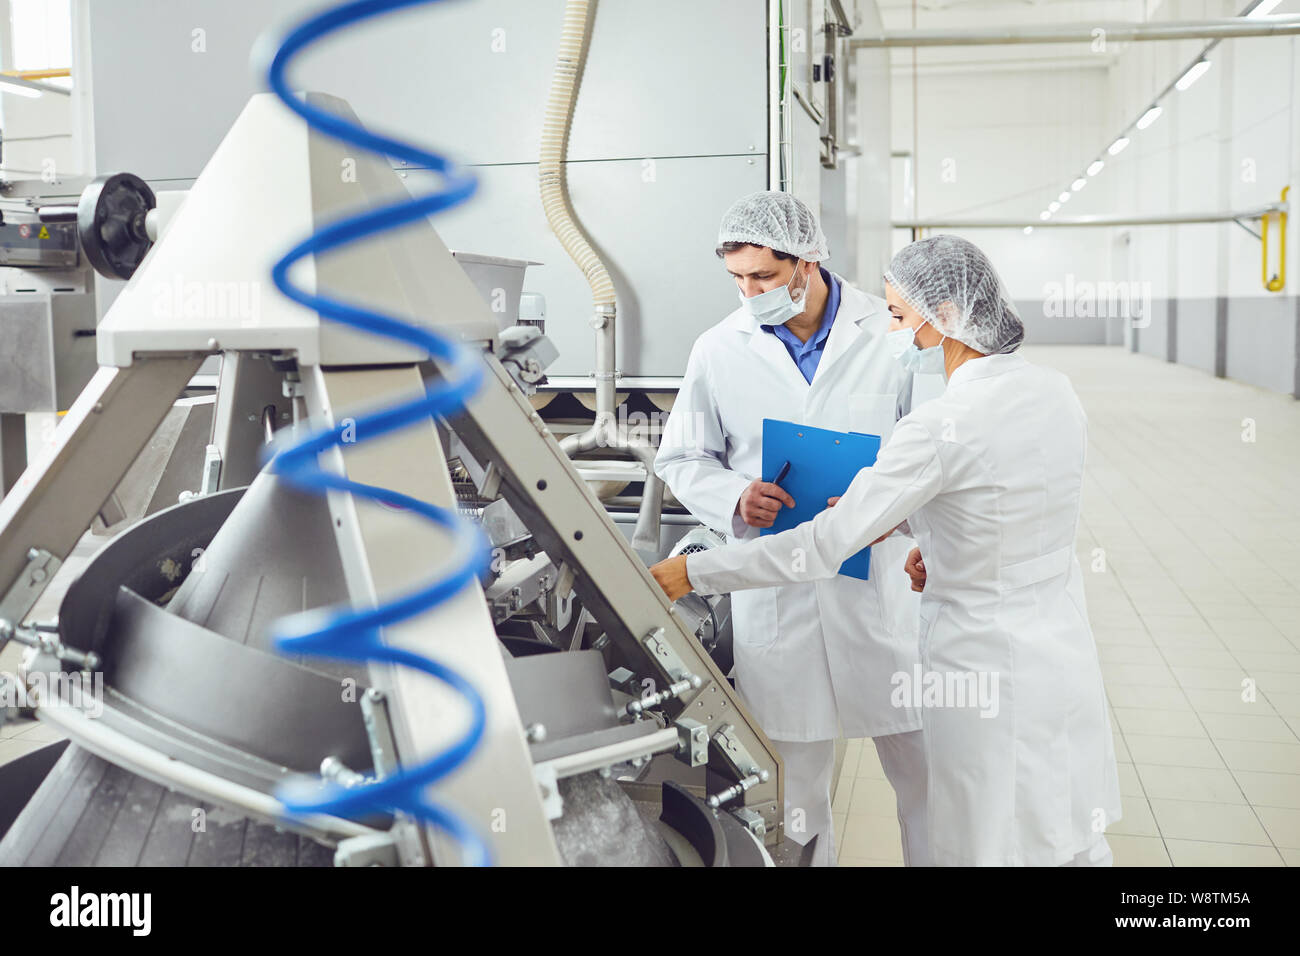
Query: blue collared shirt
808, 355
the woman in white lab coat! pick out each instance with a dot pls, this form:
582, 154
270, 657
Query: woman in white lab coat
988, 479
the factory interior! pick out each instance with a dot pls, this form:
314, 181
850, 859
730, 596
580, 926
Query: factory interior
368, 368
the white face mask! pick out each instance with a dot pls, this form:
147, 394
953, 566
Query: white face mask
777, 306
902, 345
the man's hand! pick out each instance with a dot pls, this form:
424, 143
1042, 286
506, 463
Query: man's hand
760, 502
915, 569
671, 575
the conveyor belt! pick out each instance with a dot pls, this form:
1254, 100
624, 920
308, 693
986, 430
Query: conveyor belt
91, 813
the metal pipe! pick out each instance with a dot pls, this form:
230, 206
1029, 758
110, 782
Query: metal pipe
604, 433
1169, 220
137, 758
55, 212
16, 83
1214, 29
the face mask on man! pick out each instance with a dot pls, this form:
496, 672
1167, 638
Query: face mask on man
777, 306
902, 345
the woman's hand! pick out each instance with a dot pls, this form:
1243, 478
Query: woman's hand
915, 569
831, 502
671, 575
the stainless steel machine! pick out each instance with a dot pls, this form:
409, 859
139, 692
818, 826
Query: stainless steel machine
47, 318
54, 239
612, 735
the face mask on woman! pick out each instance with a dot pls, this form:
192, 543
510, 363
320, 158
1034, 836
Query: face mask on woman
777, 306
902, 345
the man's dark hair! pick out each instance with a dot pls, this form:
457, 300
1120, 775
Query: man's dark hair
726, 247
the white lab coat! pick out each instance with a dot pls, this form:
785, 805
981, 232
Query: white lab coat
989, 476
812, 660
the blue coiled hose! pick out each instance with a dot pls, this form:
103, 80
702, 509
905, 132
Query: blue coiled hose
346, 633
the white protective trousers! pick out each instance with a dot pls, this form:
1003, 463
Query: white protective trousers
809, 775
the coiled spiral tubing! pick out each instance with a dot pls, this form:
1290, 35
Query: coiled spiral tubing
354, 634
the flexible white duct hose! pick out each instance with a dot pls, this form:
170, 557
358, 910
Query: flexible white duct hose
555, 138
604, 432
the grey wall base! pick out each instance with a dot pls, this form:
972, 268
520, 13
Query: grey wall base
1254, 340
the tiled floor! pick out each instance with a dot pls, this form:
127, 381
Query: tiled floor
20, 737
1191, 519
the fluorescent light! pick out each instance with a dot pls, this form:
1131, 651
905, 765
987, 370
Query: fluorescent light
1117, 147
1095, 168
1028, 230
9, 86
1053, 206
1263, 8
1193, 74
1044, 215
1064, 197
1149, 117
1078, 184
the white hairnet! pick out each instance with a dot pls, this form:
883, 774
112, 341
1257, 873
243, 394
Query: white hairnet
778, 221
955, 288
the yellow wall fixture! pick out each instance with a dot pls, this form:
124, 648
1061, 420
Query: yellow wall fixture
1278, 282
38, 74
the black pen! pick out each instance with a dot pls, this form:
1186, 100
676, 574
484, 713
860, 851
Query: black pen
780, 475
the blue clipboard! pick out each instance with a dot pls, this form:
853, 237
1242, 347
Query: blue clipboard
822, 465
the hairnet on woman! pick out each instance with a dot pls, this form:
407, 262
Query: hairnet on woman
954, 287
988, 479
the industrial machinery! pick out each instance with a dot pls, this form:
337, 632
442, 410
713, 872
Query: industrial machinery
610, 734
51, 247
47, 336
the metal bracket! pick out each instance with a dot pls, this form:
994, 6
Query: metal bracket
753, 821
518, 585
491, 485
379, 728
736, 753
502, 525
376, 850
693, 742
667, 658
211, 470
1247, 228
210, 481
405, 833
27, 587
549, 784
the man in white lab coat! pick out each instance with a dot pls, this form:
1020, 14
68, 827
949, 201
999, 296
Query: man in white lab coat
813, 661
